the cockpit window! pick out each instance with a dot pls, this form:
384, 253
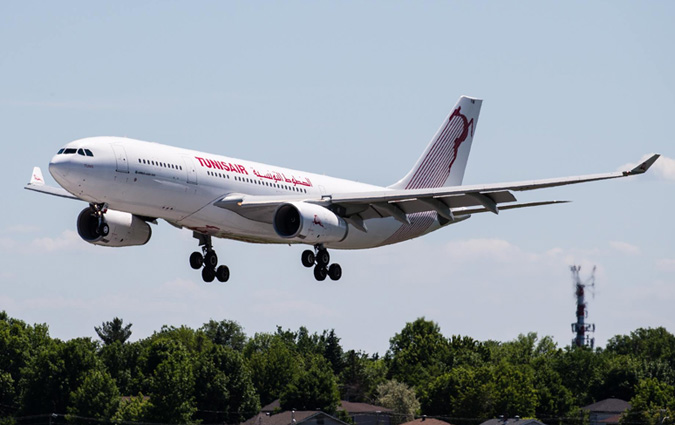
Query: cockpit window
80, 151
69, 151
88, 152
61, 151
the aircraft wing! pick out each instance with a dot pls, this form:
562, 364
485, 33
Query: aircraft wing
37, 183
449, 202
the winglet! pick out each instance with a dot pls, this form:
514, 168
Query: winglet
36, 179
642, 168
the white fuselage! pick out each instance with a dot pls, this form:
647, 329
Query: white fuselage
181, 185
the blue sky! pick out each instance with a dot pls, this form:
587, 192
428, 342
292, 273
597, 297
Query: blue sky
353, 90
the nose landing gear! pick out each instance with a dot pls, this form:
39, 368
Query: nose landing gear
207, 260
320, 262
97, 211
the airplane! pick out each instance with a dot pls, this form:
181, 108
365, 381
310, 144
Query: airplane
131, 183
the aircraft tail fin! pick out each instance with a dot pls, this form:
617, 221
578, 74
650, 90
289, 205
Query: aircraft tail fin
444, 160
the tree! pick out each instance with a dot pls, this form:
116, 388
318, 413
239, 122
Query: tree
133, 409
650, 344
515, 394
313, 388
226, 332
463, 392
19, 343
273, 364
97, 397
418, 353
332, 350
360, 376
54, 373
653, 404
224, 392
399, 397
122, 361
110, 332
171, 383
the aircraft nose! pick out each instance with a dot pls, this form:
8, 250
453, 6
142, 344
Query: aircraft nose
58, 168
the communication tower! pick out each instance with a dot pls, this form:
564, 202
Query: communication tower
581, 328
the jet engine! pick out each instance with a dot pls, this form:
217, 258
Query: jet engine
309, 223
123, 229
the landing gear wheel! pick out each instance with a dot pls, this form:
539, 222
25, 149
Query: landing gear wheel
308, 258
335, 271
322, 258
208, 274
104, 229
320, 273
196, 260
223, 273
211, 259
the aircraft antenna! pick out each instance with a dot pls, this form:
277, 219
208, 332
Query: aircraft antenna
580, 327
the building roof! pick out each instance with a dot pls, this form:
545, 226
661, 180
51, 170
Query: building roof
609, 405
512, 421
288, 418
347, 406
275, 405
352, 407
426, 421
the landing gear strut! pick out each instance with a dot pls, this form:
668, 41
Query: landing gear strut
97, 211
319, 261
207, 260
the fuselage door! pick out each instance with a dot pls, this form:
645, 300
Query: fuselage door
190, 169
121, 159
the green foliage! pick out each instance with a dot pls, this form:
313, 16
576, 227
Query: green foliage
133, 409
313, 388
19, 343
653, 404
360, 376
223, 387
114, 331
399, 397
56, 371
215, 374
226, 333
463, 392
418, 353
515, 394
171, 383
273, 364
97, 397
650, 344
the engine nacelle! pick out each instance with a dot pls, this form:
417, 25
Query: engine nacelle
309, 223
124, 229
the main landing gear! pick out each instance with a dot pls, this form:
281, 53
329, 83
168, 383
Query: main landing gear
208, 261
320, 262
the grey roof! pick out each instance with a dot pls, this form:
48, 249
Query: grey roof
609, 405
512, 421
353, 407
288, 417
347, 406
426, 421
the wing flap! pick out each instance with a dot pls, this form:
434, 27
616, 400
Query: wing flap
397, 203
